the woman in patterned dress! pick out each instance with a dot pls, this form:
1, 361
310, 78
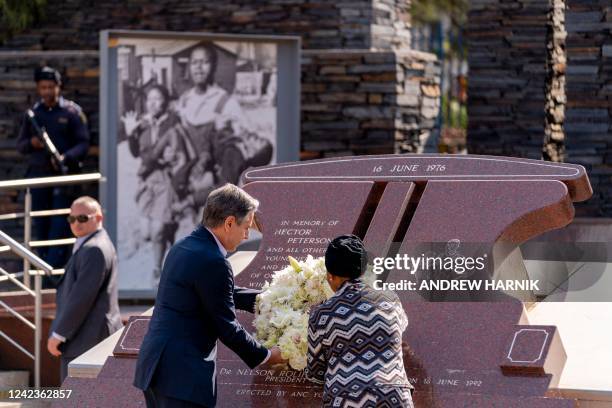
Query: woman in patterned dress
355, 337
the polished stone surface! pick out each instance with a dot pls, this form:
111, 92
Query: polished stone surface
535, 350
100, 393
131, 338
426, 167
388, 220
454, 346
477, 354
301, 218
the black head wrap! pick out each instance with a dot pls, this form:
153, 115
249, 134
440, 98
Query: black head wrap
346, 256
47, 73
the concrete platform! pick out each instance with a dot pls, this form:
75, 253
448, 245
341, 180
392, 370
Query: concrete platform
586, 333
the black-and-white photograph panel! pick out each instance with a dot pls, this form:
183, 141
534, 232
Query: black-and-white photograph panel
191, 115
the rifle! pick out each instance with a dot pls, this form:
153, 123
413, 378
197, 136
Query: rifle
56, 157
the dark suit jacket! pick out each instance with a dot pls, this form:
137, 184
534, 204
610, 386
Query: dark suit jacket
195, 306
87, 299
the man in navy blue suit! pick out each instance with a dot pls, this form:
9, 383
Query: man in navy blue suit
195, 306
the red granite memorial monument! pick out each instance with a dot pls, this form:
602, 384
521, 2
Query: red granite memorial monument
477, 353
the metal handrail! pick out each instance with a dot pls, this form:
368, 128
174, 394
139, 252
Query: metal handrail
24, 252
46, 243
18, 315
16, 282
20, 348
54, 181
52, 242
41, 213
32, 272
32, 259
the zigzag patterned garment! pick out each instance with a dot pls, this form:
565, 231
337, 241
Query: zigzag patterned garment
355, 348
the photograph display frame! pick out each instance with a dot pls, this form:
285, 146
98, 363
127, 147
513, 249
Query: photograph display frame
279, 91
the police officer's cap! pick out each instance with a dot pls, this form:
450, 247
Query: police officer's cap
48, 74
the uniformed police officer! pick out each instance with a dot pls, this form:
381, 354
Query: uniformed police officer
66, 125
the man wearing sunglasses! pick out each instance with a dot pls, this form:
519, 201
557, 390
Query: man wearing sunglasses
87, 298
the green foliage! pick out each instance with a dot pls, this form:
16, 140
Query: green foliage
17, 15
455, 114
431, 11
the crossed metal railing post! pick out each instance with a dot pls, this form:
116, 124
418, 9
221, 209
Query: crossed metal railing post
26, 254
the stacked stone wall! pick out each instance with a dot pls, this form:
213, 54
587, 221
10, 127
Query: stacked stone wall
508, 76
367, 102
365, 37
540, 85
588, 118
80, 71
322, 24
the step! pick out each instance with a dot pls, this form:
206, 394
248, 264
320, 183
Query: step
14, 379
26, 404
